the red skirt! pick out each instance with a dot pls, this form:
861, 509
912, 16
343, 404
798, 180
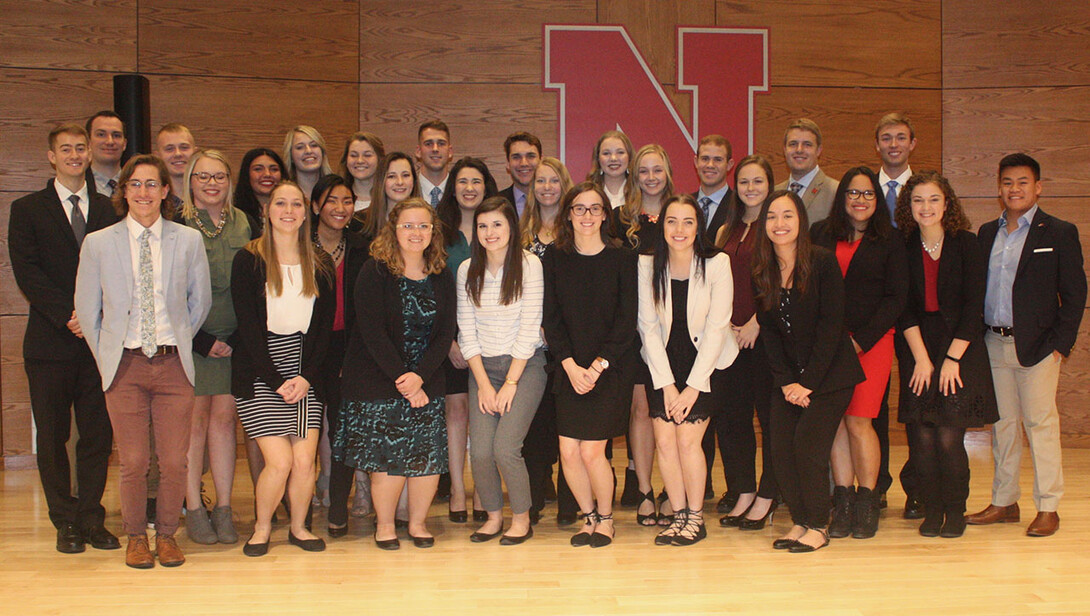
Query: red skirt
877, 364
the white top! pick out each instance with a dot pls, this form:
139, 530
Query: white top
290, 311
361, 203
63, 194
164, 333
493, 329
615, 199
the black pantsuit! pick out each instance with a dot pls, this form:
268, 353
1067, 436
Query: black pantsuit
752, 387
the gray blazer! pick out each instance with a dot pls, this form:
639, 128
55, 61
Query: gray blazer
818, 196
104, 288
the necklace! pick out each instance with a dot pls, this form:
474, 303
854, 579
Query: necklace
338, 250
219, 225
931, 250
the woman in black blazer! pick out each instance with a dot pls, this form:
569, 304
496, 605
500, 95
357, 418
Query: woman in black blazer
946, 379
282, 290
872, 259
799, 294
392, 420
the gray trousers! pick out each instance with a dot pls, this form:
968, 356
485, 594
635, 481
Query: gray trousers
495, 442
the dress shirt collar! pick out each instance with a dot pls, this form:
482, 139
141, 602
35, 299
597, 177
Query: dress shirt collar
136, 229
884, 179
716, 197
63, 194
1023, 221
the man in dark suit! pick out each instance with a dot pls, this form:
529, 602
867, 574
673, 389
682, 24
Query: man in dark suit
106, 135
713, 163
44, 238
1036, 294
523, 154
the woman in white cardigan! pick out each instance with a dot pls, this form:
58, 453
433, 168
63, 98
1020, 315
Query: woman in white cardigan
686, 294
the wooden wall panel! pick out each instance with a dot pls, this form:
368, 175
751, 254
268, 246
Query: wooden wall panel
69, 34
15, 408
491, 41
652, 24
314, 40
11, 300
236, 115
1015, 43
34, 102
980, 126
884, 43
847, 118
479, 116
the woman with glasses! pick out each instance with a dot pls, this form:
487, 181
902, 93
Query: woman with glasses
590, 327
392, 380
872, 260
207, 207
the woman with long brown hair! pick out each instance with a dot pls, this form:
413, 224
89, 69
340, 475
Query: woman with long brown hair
360, 162
610, 166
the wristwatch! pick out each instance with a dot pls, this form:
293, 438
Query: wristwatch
602, 363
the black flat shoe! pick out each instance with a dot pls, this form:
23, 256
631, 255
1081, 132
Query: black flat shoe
308, 545
255, 549
601, 540
759, 524
479, 537
783, 544
932, 524
509, 540
422, 542
800, 547
954, 526
458, 517
583, 537
69, 539
387, 544
692, 530
535, 517
100, 538
401, 523
913, 509
337, 532
564, 518
480, 516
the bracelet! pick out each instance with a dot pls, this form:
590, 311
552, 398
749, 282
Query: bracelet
510, 382
953, 359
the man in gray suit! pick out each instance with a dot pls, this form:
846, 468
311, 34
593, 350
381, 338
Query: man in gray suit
142, 291
802, 148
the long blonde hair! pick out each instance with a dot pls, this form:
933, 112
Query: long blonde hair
531, 222
289, 140
633, 203
189, 209
312, 260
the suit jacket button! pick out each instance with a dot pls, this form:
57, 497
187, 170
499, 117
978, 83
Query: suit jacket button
696, 339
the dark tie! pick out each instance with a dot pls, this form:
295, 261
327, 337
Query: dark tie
112, 184
706, 205
796, 188
79, 223
435, 192
891, 199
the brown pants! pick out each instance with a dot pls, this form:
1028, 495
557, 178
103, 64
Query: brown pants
151, 396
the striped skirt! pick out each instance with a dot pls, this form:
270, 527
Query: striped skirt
266, 413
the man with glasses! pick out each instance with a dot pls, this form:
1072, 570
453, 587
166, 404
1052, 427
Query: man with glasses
44, 238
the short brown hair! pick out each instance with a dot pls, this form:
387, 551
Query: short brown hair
893, 119
803, 124
514, 138
66, 129
122, 205
716, 140
436, 124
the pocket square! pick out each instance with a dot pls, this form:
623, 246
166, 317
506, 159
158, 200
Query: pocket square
1036, 250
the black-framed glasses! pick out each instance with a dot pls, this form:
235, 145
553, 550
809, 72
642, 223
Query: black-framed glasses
204, 177
867, 195
593, 210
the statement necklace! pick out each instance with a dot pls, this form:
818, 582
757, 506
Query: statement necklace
931, 250
338, 251
219, 225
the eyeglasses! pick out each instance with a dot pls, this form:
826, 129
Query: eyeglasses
593, 210
409, 226
203, 177
868, 195
137, 184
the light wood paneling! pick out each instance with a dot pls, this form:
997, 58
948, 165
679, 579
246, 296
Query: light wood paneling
34, 102
69, 34
884, 43
652, 24
980, 126
847, 118
1015, 43
479, 116
318, 39
15, 409
492, 41
236, 115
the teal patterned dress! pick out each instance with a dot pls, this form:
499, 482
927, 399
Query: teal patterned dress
390, 436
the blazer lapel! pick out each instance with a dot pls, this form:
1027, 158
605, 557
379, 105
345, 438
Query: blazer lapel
56, 211
1037, 228
124, 256
166, 253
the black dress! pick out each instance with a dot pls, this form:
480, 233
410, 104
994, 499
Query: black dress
590, 311
682, 354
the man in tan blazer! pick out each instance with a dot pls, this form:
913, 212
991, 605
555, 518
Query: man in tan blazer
802, 148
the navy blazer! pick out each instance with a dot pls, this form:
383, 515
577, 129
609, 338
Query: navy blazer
1049, 294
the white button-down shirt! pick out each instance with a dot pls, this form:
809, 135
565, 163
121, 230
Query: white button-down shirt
164, 333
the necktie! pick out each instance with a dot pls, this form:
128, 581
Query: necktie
520, 203
147, 297
112, 185
796, 188
79, 223
706, 205
435, 192
891, 199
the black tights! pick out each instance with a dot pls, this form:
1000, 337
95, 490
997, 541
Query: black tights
942, 465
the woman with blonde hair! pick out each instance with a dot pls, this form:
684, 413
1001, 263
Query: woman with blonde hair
305, 157
548, 186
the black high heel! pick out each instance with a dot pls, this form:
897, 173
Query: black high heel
735, 520
758, 524
650, 519
583, 537
664, 519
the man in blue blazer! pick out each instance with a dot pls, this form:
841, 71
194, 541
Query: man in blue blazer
142, 291
1036, 294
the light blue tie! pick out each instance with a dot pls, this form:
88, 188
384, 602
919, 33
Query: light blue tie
435, 192
147, 297
891, 200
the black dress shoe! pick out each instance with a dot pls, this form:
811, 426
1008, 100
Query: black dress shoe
422, 542
308, 545
954, 526
100, 538
913, 509
255, 549
509, 540
535, 517
800, 547
783, 544
70, 540
564, 518
458, 517
727, 502
480, 516
479, 537
337, 532
630, 497
387, 544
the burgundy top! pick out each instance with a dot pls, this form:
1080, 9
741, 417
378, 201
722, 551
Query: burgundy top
741, 266
338, 316
930, 282
844, 253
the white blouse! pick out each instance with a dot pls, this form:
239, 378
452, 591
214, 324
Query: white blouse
290, 311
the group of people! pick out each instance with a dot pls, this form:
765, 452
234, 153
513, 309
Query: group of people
381, 317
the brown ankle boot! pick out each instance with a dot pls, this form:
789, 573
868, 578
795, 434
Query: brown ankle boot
170, 555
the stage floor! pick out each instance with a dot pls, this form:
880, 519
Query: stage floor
991, 570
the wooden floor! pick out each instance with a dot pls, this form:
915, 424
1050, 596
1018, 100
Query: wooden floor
991, 570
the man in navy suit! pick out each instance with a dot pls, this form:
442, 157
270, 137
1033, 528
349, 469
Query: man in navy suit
713, 163
1036, 294
522, 152
44, 238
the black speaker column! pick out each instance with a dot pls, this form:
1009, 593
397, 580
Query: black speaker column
132, 101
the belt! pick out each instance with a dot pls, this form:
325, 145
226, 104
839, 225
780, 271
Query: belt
163, 349
1006, 332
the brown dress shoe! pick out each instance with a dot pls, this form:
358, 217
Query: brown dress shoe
1044, 525
170, 555
994, 514
137, 555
